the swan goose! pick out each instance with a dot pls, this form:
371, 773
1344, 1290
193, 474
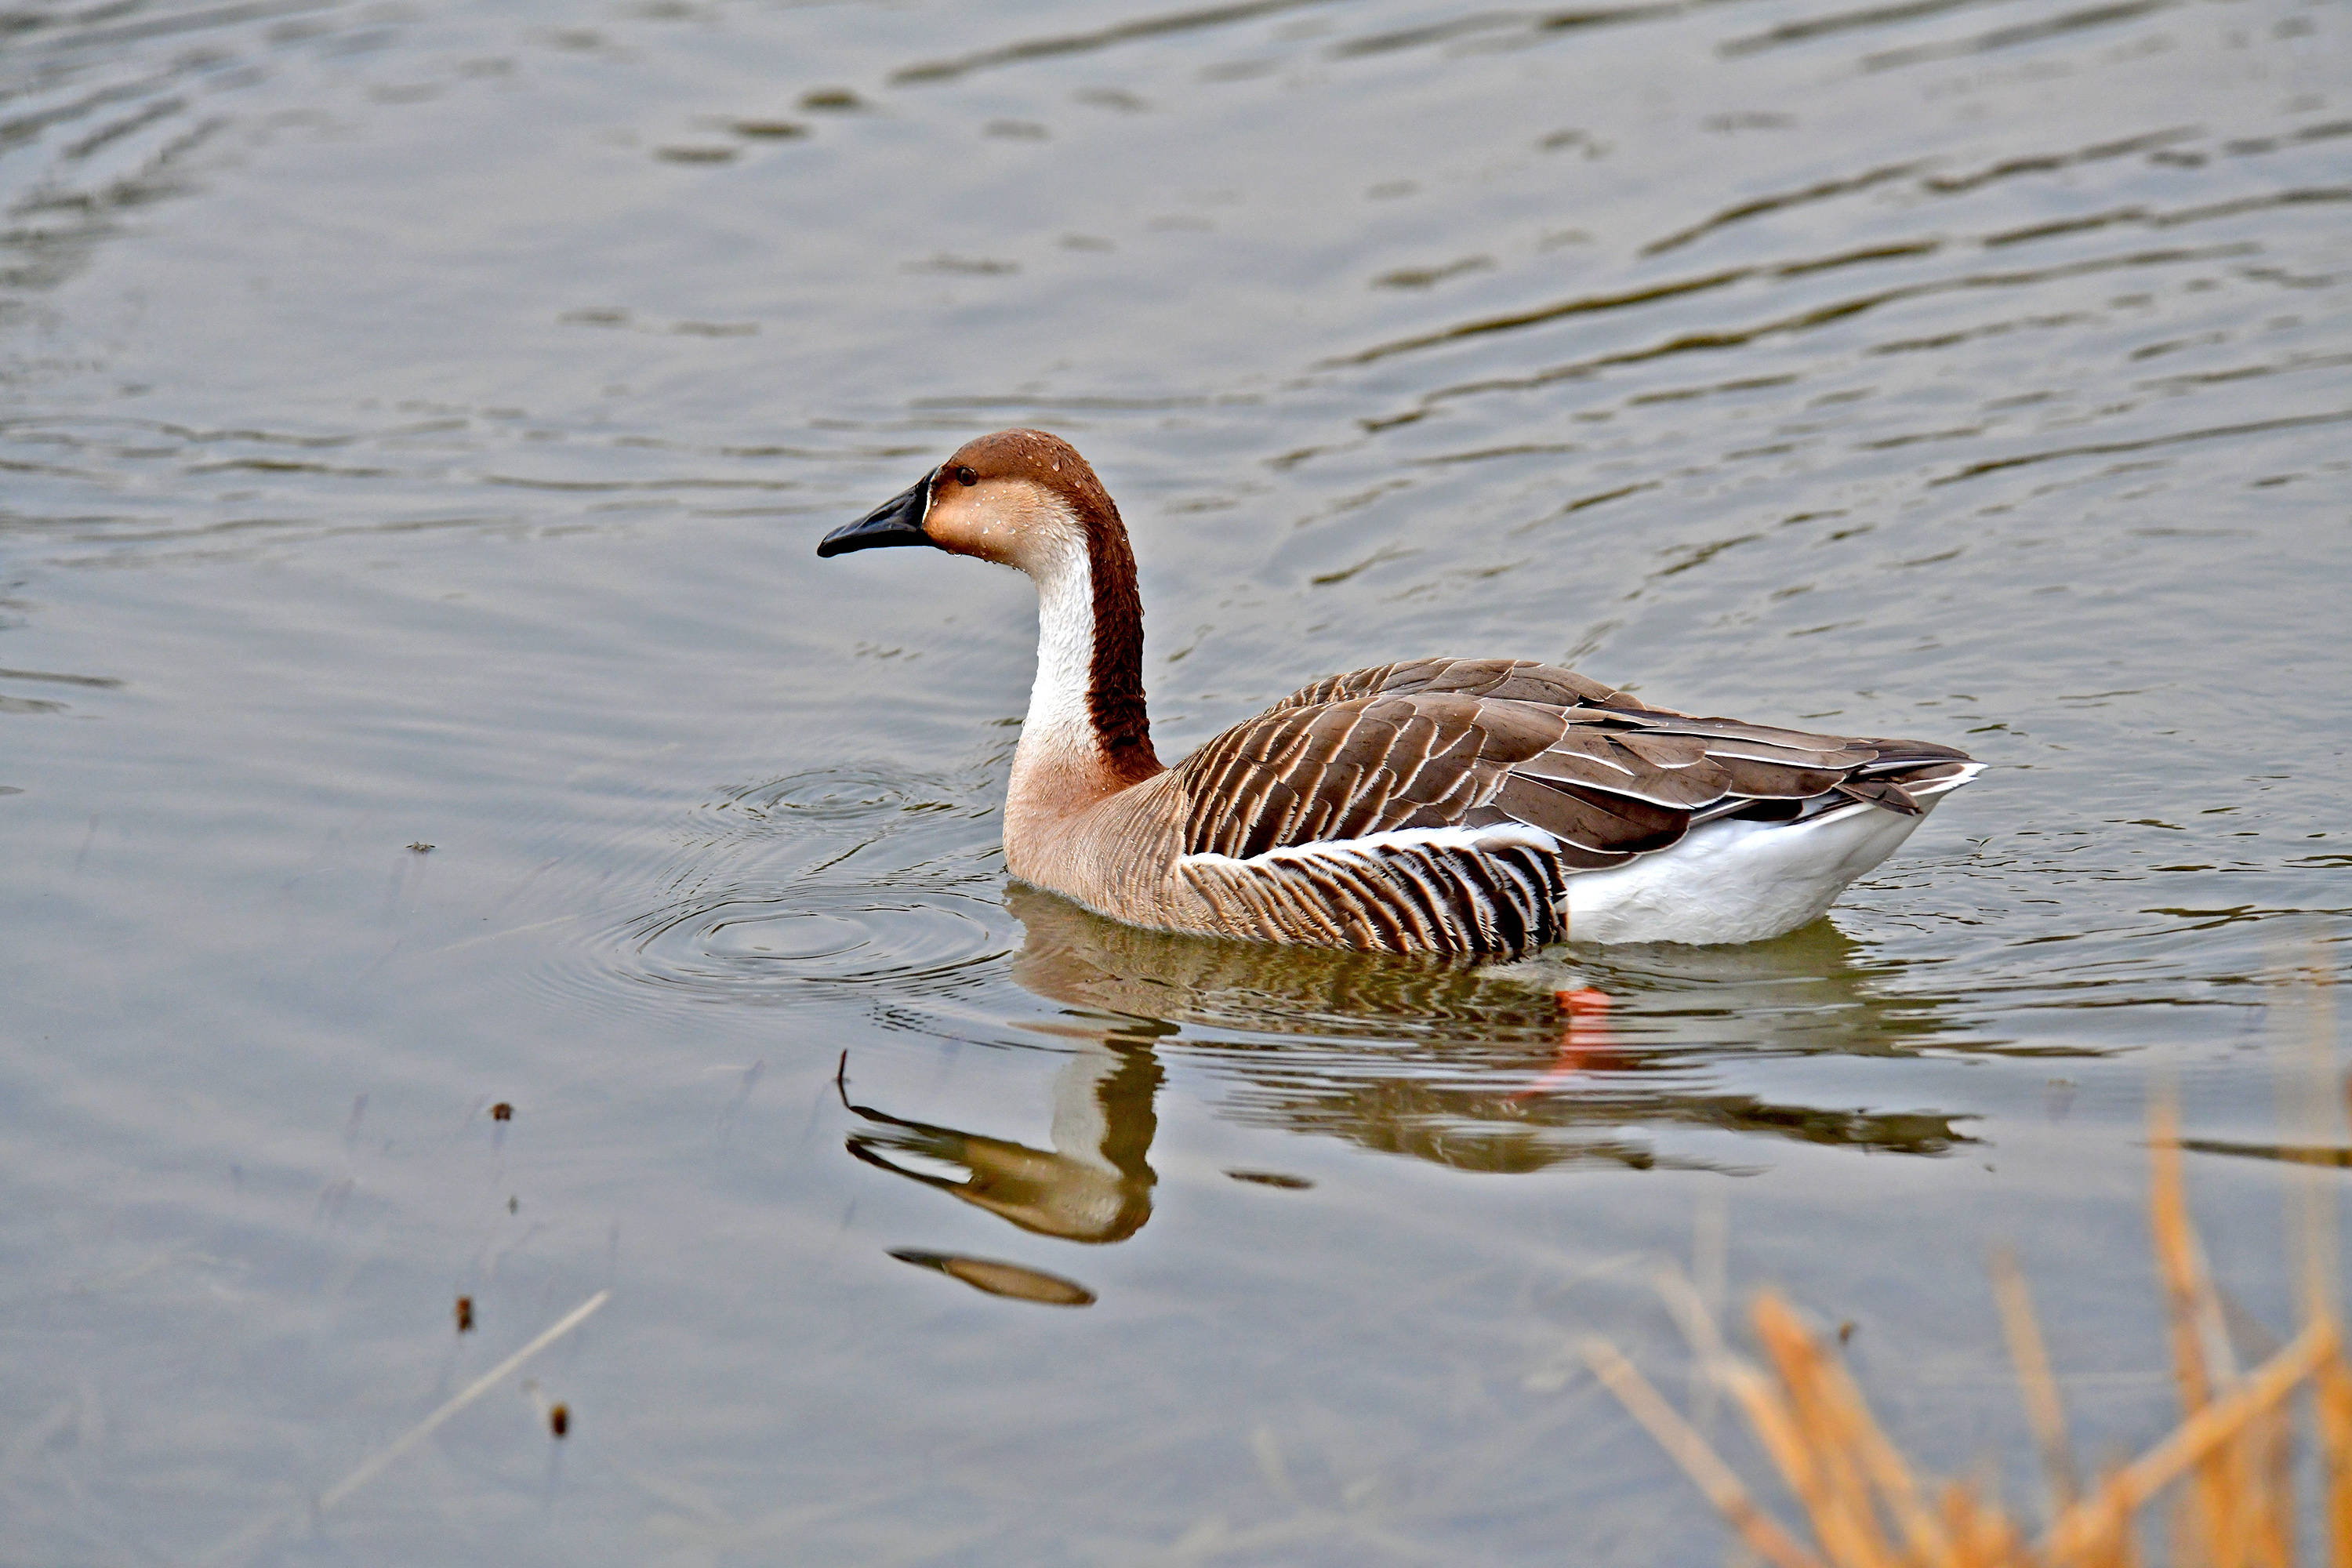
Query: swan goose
1434, 806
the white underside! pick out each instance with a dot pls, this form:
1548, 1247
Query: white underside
1742, 881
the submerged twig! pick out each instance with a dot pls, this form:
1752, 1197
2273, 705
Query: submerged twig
255, 1534
376, 1463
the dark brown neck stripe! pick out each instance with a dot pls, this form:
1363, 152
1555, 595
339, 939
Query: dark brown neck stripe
1115, 685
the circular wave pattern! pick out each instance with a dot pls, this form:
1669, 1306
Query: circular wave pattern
736, 944
841, 794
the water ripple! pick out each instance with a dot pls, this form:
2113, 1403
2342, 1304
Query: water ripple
741, 945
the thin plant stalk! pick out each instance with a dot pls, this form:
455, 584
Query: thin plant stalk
2045, 1410
2221, 1483
1687, 1449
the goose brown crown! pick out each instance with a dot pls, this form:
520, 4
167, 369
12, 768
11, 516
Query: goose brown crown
1432, 805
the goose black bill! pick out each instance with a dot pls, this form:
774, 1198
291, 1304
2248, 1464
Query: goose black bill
898, 521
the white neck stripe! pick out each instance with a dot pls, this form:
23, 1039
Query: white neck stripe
1060, 706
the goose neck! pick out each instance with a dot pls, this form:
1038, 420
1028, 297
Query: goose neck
1088, 733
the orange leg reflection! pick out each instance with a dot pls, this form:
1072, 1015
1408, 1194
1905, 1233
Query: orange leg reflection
1587, 1044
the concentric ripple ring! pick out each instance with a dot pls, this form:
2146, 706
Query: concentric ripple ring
738, 943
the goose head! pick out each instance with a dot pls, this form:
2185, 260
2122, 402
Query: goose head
1022, 499
1025, 498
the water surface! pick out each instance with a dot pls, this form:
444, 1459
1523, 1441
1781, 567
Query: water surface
414, 425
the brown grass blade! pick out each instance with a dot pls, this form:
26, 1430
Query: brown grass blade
1698, 1461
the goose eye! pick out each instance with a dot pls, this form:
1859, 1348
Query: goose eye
965, 476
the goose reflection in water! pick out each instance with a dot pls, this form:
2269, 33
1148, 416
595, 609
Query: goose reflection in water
1498, 1068
1093, 1184
1477, 1067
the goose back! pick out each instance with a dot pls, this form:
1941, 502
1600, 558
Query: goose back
1440, 804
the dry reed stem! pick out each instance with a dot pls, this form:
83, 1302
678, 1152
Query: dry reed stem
1784, 1440
2094, 1534
1697, 1315
1979, 1534
2334, 1392
2312, 1104
2224, 1481
2195, 1439
2332, 1388
1698, 1461
2036, 1385
2234, 1444
2103, 1538
1962, 1528
2270, 1450
1843, 1520
1835, 1393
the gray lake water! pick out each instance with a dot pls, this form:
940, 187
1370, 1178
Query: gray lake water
416, 421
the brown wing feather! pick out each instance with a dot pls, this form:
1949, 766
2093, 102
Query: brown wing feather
1508, 679
1351, 767
1442, 743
